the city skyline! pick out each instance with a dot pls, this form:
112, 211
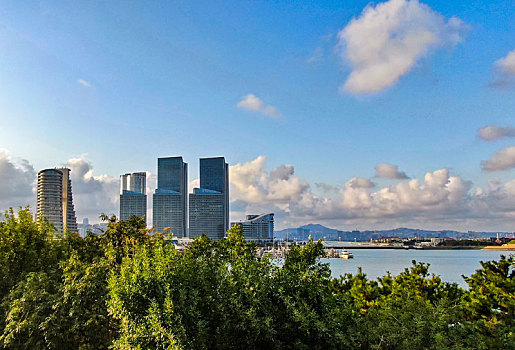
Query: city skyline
414, 126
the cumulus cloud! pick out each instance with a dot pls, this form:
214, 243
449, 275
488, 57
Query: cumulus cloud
494, 132
389, 171
359, 182
253, 103
252, 183
93, 194
387, 39
84, 83
500, 160
18, 179
437, 201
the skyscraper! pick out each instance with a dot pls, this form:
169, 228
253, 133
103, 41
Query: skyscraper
170, 198
209, 204
133, 197
54, 199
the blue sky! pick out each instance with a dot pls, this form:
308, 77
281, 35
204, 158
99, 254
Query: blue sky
118, 84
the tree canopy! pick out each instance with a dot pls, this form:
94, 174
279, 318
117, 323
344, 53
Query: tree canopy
131, 289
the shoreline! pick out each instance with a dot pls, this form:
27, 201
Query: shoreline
491, 248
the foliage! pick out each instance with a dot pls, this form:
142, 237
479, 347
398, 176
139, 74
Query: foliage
25, 247
465, 243
129, 289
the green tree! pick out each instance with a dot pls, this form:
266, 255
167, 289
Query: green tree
26, 247
489, 306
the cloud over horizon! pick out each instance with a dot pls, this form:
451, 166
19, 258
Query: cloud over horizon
439, 200
253, 103
387, 39
92, 194
17, 182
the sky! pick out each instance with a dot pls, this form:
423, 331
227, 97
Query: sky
352, 114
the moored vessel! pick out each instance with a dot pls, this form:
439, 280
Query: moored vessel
346, 255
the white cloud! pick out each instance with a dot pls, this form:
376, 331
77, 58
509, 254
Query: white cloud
93, 194
359, 182
84, 83
500, 160
193, 184
253, 103
387, 39
494, 132
389, 171
17, 181
507, 63
437, 201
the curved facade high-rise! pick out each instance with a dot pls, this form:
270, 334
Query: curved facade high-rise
54, 199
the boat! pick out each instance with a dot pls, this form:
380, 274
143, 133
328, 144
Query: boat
332, 254
346, 255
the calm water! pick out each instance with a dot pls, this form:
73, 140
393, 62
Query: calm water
449, 264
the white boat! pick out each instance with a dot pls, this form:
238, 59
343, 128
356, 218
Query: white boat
346, 255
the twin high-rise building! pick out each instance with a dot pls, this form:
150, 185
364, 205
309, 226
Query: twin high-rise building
170, 198
133, 198
54, 199
209, 204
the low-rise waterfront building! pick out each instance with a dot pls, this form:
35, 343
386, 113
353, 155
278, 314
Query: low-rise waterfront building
257, 227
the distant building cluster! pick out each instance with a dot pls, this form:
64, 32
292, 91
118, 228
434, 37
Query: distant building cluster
96, 229
205, 211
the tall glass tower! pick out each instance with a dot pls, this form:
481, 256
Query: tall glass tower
209, 204
170, 198
133, 197
54, 199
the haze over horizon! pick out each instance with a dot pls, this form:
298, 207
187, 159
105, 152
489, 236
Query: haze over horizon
353, 115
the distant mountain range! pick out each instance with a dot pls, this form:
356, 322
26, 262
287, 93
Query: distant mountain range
320, 231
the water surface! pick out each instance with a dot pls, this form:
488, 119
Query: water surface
449, 264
